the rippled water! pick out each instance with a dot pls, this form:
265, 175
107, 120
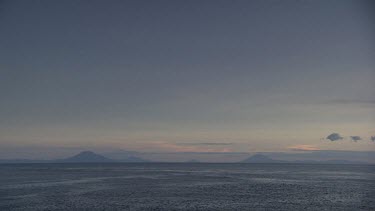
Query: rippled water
184, 186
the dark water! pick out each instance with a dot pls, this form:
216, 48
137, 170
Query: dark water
186, 187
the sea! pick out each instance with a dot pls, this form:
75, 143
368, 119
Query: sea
186, 186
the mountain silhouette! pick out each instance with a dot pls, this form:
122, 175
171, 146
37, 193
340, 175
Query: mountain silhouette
91, 157
82, 157
259, 158
87, 157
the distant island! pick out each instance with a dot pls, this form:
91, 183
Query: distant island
86, 157
260, 158
82, 157
92, 157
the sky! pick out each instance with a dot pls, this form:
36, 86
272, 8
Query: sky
186, 76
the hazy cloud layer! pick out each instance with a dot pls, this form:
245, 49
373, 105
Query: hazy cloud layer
207, 144
353, 101
334, 137
174, 147
355, 138
303, 148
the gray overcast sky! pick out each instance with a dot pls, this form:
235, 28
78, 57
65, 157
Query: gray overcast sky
154, 75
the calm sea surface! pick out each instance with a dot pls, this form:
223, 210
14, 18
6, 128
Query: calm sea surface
185, 186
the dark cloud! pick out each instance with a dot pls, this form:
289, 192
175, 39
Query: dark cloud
334, 137
355, 138
372, 138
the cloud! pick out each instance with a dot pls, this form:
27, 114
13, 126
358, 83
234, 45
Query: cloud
303, 148
173, 147
207, 144
334, 137
355, 138
372, 138
353, 101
